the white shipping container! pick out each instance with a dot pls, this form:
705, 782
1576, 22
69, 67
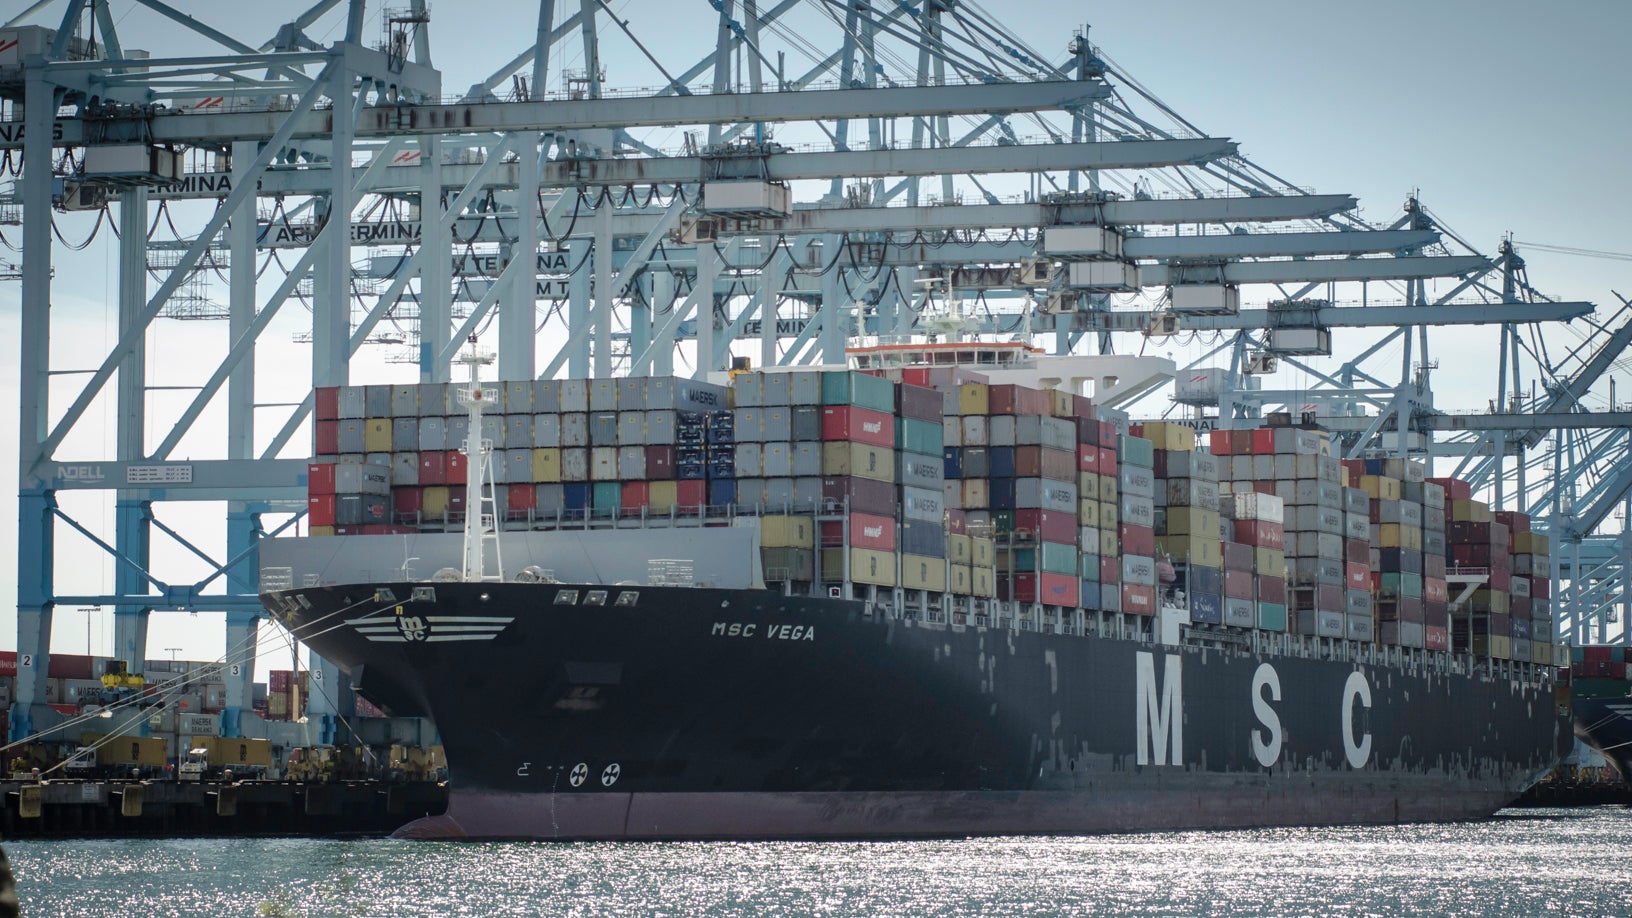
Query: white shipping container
951, 431
574, 395
603, 463
750, 460
405, 468
1042, 494
1136, 511
1137, 481
367, 478
974, 430
632, 427
1138, 571
1001, 430
777, 460
603, 395
922, 505
546, 396
807, 460
574, 430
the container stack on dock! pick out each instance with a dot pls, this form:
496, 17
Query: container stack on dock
1187, 527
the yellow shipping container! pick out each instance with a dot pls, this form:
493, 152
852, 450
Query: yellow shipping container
1060, 404
962, 581
1109, 516
1108, 491
919, 572
1269, 562
858, 459
662, 495
866, 566
1496, 601
1499, 646
957, 549
1198, 550
228, 752
433, 500
547, 465
1471, 511
377, 435
1167, 435
974, 398
1381, 487
1088, 512
1399, 535
320, 530
126, 750
1192, 521
787, 532
985, 585
1535, 544
1088, 485
974, 493
981, 552
1108, 542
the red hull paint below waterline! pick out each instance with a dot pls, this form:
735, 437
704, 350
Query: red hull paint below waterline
697, 816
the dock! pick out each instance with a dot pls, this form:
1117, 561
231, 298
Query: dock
168, 809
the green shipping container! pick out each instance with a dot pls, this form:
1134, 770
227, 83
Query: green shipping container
1271, 616
847, 387
1002, 522
1088, 568
1578, 655
1135, 451
1401, 584
608, 495
922, 437
1049, 557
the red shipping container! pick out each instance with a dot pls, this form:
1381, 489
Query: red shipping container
1263, 442
1436, 637
433, 468
1433, 565
858, 425
408, 499
1083, 407
278, 681
524, 497
1434, 590
1596, 653
1260, 534
326, 403
1043, 462
917, 376
1107, 437
1357, 576
1088, 459
1137, 540
660, 463
691, 493
957, 522
866, 531
1357, 551
320, 478
456, 467
1238, 584
1047, 525
636, 494
69, 666
1464, 555
919, 403
1219, 442
1016, 399
1088, 431
8, 663
1437, 614
1138, 600
1048, 589
1514, 520
1271, 589
1501, 580
1110, 570
326, 438
1455, 488
320, 510
1541, 588
1107, 458
456, 500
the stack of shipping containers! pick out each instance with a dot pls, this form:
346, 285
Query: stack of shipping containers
934, 481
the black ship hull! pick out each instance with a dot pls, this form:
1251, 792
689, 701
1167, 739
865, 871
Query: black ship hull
1603, 720
667, 712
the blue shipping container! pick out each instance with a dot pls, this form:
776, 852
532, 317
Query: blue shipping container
952, 459
1207, 608
575, 495
721, 492
1002, 462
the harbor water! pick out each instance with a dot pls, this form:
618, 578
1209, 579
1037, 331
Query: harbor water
1523, 862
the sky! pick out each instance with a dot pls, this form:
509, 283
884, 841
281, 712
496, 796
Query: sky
1509, 119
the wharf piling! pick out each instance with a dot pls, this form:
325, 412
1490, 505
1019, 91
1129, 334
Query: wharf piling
160, 809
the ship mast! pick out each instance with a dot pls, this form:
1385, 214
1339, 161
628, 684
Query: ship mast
481, 517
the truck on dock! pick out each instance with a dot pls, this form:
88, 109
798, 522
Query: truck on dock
214, 756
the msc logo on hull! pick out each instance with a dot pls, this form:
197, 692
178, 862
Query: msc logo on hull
428, 629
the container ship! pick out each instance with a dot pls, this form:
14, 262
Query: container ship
1601, 693
911, 601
